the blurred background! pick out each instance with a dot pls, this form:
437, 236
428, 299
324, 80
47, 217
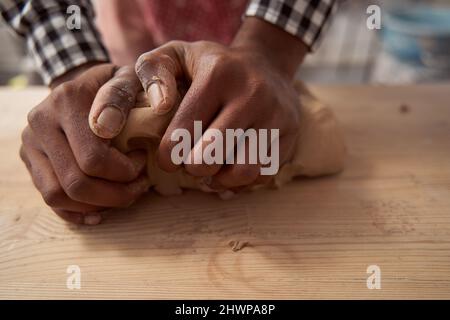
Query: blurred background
413, 46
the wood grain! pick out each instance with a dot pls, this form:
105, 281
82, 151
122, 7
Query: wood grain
312, 239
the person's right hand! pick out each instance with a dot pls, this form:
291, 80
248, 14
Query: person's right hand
78, 173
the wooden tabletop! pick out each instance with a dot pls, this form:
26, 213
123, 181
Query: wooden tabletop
310, 239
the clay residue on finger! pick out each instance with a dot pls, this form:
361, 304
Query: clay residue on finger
237, 245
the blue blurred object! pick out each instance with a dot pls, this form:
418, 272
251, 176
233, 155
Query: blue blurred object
419, 35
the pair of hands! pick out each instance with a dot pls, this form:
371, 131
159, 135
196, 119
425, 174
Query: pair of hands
67, 144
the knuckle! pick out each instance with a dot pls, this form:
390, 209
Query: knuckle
74, 186
177, 47
36, 118
65, 90
40, 116
217, 65
26, 135
174, 43
91, 161
141, 59
66, 93
150, 62
202, 43
144, 60
53, 196
117, 90
168, 62
220, 61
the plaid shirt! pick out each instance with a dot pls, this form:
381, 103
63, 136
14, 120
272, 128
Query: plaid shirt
56, 49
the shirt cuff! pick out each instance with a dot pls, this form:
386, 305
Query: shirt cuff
56, 49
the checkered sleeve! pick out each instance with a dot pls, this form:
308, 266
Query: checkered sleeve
56, 45
306, 19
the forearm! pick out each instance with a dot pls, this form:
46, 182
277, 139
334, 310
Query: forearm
285, 51
285, 30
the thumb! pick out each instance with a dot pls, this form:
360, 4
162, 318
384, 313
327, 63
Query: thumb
158, 71
112, 103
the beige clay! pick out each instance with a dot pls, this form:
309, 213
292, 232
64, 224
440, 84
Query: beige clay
320, 147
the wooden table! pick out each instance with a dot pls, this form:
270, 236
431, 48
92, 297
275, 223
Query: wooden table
311, 239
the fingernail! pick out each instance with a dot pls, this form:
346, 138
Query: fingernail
111, 120
155, 95
92, 219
